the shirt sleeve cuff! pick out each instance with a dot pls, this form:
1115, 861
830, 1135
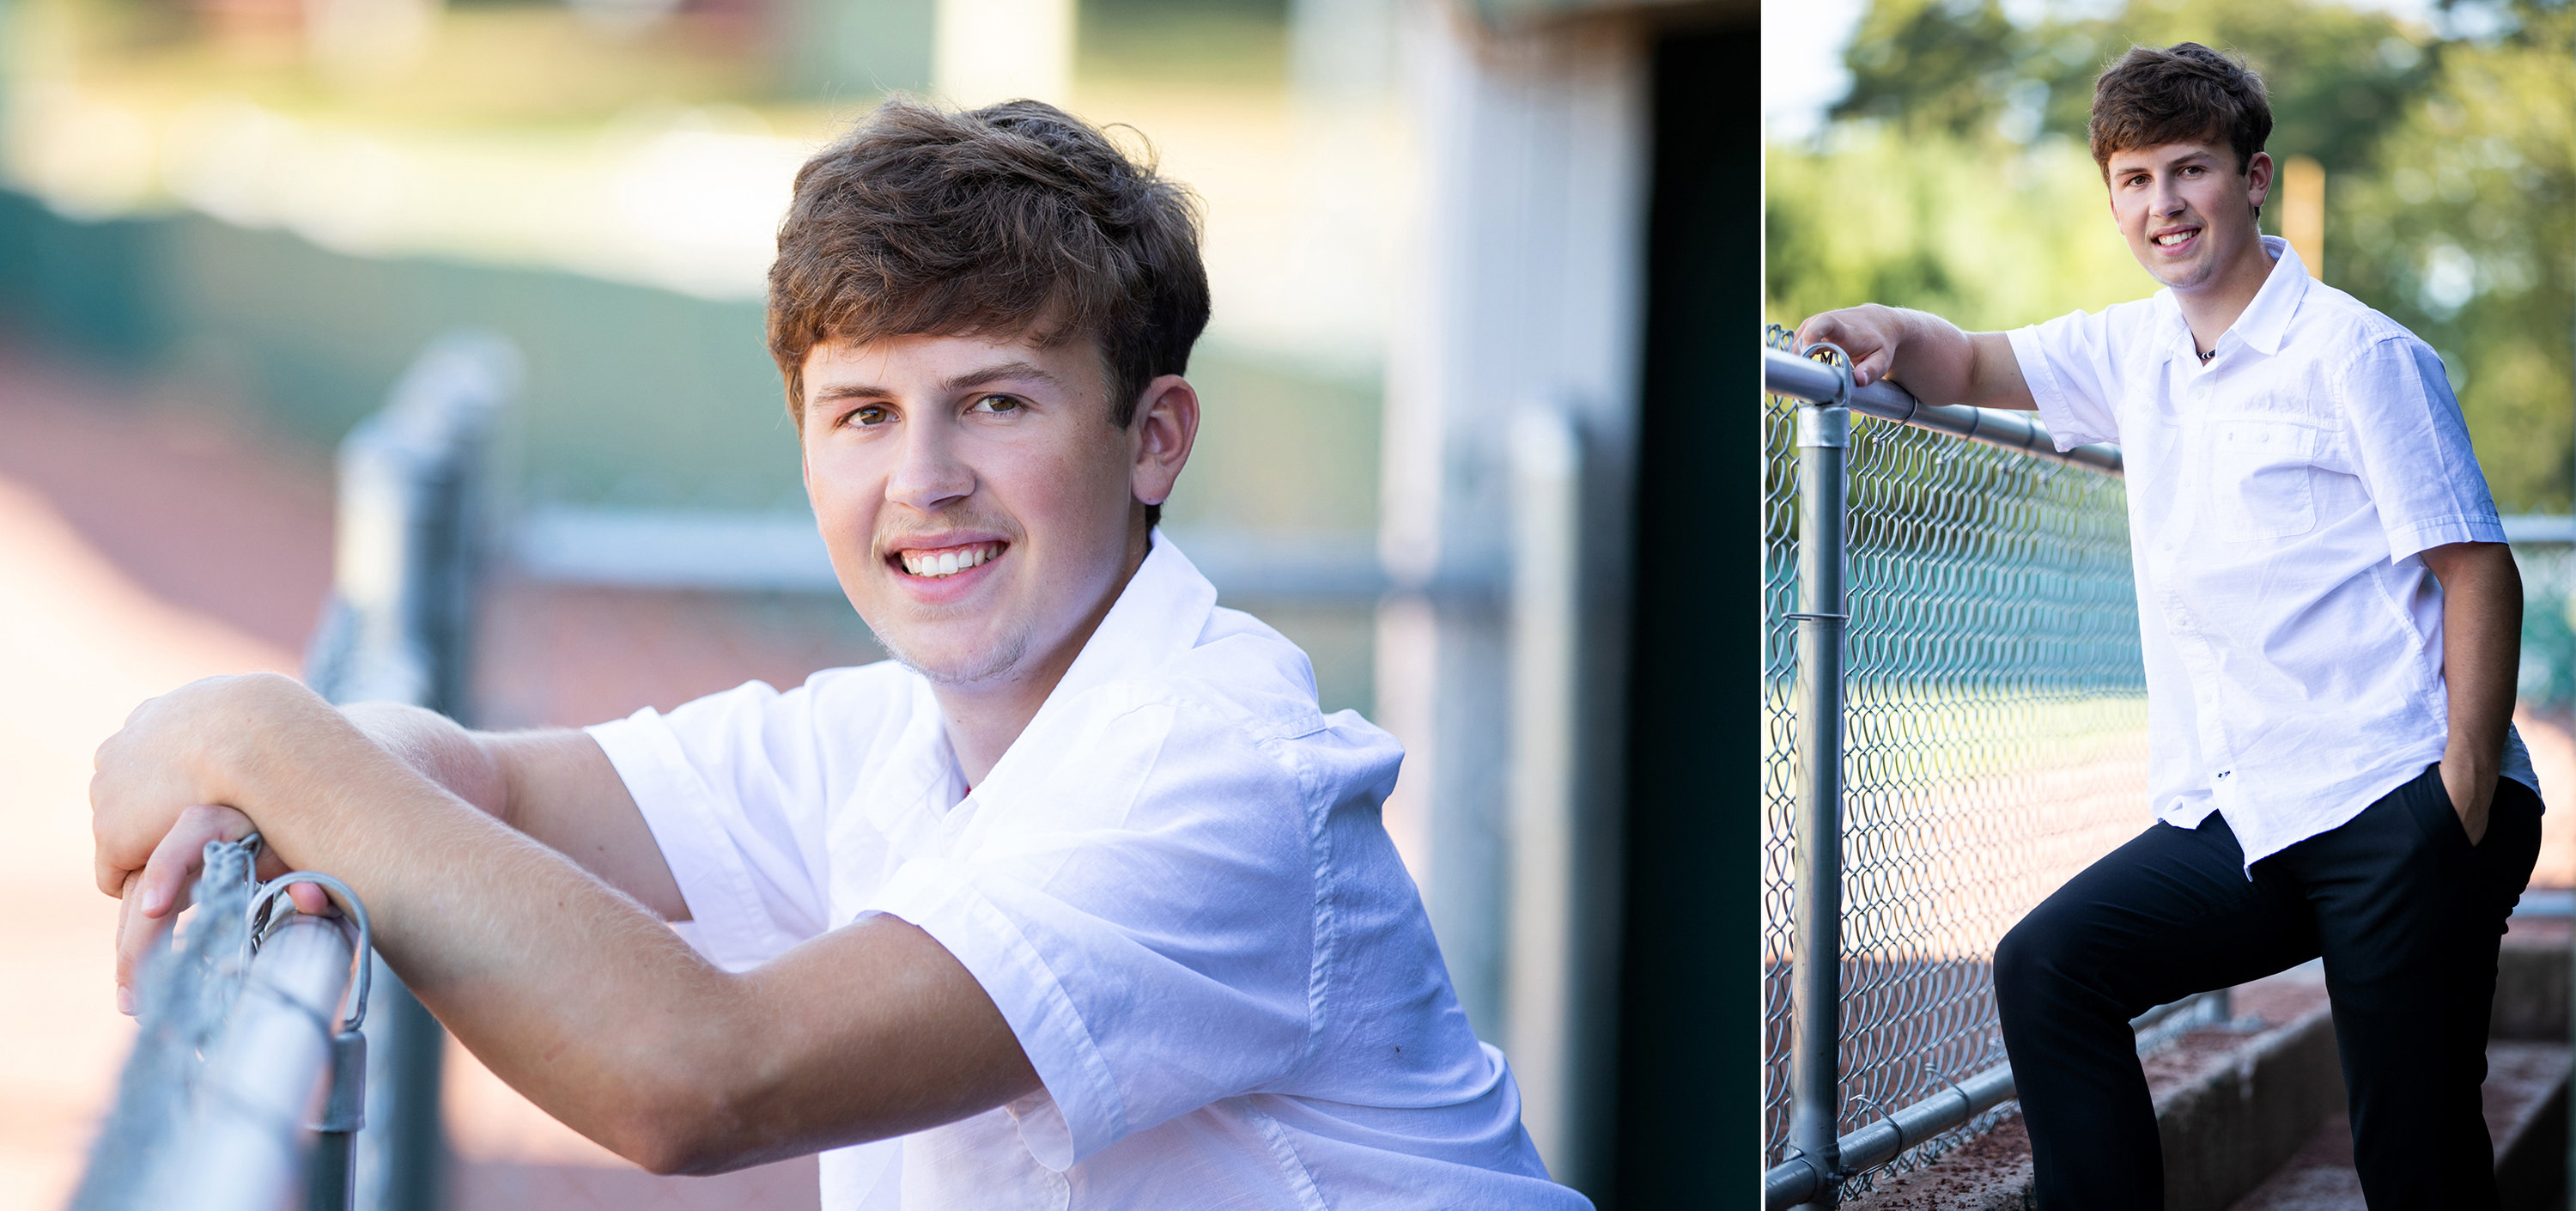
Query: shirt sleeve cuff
1079, 1112
2418, 537
727, 921
2063, 429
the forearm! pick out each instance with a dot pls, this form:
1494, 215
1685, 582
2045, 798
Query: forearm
2481, 653
1932, 357
440, 749
1924, 353
570, 991
569, 988
555, 786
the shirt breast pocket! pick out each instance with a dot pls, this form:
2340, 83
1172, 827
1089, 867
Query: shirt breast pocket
2263, 479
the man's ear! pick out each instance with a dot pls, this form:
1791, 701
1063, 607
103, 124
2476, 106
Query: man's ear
1159, 438
2258, 180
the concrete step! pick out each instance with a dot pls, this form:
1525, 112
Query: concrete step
2526, 1110
2232, 1101
2253, 1110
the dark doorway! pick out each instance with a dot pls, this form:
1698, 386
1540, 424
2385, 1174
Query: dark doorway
1689, 1066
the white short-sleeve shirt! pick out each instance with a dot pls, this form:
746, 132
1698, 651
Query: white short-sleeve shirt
1176, 887
2279, 499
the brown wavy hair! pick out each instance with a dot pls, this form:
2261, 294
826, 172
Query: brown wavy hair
1009, 220
2180, 93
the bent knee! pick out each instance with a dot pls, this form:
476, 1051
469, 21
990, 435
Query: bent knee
2031, 961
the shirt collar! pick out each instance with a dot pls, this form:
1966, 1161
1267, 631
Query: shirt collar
2267, 319
1159, 615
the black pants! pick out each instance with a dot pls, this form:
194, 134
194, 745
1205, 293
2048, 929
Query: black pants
2407, 914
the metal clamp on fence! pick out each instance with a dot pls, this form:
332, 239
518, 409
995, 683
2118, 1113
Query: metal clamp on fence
332, 1177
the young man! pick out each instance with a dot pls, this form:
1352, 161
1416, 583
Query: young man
1082, 896
2330, 621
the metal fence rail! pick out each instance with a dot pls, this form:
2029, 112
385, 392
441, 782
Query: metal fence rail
215, 1108
242, 1024
1952, 730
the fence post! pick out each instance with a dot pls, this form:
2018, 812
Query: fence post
398, 629
1824, 437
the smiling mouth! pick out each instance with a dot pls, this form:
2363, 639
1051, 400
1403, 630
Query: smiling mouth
939, 563
2171, 238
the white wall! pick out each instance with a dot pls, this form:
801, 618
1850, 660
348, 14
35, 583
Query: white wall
1523, 291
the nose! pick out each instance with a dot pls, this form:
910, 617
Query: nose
2168, 200
927, 473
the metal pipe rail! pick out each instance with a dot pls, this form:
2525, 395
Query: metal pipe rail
1796, 1181
244, 1146
1788, 374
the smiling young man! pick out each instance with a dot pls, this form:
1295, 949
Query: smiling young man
2331, 626
1080, 902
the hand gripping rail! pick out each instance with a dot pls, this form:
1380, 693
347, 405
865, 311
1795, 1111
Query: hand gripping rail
1786, 373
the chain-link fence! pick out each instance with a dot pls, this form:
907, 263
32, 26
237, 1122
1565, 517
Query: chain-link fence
1995, 742
241, 1024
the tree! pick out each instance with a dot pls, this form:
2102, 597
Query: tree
1955, 178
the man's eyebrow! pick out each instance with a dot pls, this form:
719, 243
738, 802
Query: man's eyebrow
1013, 369
997, 372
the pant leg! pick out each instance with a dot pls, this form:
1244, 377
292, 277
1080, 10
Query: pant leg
2409, 915
2167, 915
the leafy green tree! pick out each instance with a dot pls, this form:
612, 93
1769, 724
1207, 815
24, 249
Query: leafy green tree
1955, 178
2466, 233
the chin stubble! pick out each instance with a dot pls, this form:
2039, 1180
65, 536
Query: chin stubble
994, 662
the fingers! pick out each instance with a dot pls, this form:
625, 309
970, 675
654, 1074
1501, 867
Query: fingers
308, 898
182, 851
136, 937
1822, 326
1859, 333
1868, 369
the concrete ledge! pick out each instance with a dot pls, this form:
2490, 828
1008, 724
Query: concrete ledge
2234, 1107
2533, 981
2526, 1112
2252, 1115
2232, 1103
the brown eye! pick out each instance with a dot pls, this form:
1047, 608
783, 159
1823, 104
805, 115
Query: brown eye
1000, 405
867, 417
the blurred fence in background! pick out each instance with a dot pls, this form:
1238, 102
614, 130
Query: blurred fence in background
406, 559
217, 1106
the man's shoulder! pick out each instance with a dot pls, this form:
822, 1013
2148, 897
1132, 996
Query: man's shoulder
1242, 695
2121, 319
2333, 326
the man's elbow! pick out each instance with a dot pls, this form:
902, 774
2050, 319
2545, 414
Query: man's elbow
680, 1121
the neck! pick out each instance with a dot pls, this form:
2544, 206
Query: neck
985, 717
2214, 304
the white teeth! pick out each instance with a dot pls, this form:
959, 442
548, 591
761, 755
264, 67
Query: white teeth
948, 563
2168, 241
